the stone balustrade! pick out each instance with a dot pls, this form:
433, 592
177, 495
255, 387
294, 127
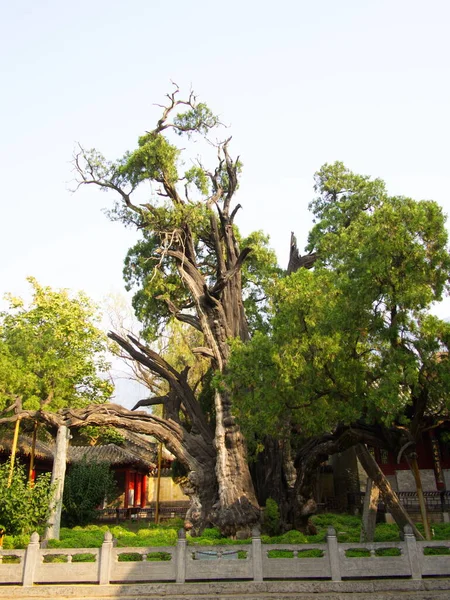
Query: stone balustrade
247, 562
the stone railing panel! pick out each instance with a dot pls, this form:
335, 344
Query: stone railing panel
294, 565
144, 569
11, 572
69, 571
374, 566
219, 562
434, 564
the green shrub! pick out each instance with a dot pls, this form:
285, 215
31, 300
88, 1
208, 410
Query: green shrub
10, 559
86, 487
23, 509
312, 553
211, 533
79, 538
271, 520
280, 554
157, 556
388, 552
290, 537
83, 557
357, 553
387, 532
436, 550
56, 558
129, 557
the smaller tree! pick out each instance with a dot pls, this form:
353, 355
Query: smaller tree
52, 353
86, 487
23, 509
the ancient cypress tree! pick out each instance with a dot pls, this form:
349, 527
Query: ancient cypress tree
190, 265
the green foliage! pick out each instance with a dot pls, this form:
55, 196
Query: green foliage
352, 338
436, 550
388, 552
52, 351
357, 553
280, 554
271, 522
313, 553
199, 119
10, 559
86, 486
83, 557
129, 557
55, 558
23, 509
290, 537
159, 556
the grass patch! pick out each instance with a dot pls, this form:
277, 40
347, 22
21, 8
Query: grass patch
83, 557
436, 551
56, 558
158, 556
129, 557
10, 559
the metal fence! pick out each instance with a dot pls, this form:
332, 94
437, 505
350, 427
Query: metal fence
435, 501
116, 515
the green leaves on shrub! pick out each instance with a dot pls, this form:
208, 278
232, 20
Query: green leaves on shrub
271, 522
23, 509
87, 485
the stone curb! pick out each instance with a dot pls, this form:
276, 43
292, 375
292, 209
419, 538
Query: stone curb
281, 590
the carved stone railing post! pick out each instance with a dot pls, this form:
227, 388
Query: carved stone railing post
181, 557
257, 555
104, 574
31, 560
412, 549
333, 554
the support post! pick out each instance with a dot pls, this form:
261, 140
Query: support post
32, 456
413, 553
387, 493
31, 560
105, 559
258, 574
13, 453
423, 507
181, 557
58, 475
369, 517
158, 483
333, 554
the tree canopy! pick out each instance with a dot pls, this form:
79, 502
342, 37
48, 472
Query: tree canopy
52, 351
353, 338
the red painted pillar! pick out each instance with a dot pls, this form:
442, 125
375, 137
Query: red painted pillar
144, 491
132, 490
137, 496
127, 488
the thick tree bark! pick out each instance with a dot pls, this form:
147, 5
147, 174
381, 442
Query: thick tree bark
273, 475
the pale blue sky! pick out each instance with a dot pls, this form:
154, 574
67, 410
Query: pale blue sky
301, 83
